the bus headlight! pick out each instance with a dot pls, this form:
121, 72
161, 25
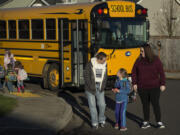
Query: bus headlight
67, 68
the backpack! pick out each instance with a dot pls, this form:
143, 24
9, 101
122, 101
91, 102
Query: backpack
11, 76
132, 96
2, 72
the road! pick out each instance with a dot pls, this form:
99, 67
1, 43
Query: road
80, 124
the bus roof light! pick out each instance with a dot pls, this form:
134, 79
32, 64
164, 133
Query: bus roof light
144, 11
105, 11
139, 11
100, 11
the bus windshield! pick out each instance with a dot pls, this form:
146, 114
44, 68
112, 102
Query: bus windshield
119, 33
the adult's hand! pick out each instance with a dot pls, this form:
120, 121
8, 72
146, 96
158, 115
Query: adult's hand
163, 88
135, 87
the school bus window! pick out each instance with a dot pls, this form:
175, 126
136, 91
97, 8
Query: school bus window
2, 29
51, 29
23, 29
65, 29
12, 29
37, 29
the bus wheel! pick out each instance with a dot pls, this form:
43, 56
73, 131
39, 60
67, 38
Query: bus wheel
53, 77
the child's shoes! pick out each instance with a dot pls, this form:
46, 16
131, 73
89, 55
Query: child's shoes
123, 129
116, 126
19, 89
22, 88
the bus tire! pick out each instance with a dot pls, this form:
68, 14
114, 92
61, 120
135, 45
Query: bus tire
53, 77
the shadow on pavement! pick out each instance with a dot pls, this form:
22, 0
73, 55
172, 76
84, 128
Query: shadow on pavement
16, 126
77, 109
111, 104
85, 103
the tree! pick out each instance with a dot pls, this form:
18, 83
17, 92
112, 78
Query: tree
166, 20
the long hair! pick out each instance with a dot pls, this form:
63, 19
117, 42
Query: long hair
124, 74
149, 54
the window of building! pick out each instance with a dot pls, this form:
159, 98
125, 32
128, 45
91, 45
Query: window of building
2, 29
12, 29
37, 29
23, 29
51, 29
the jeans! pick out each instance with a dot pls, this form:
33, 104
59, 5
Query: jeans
10, 86
147, 96
120, 113
20, 83
92, 106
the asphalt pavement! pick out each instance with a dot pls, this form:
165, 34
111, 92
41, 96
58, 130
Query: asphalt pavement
80, 124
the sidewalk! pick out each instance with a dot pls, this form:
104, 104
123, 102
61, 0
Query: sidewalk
172, 75
36, 115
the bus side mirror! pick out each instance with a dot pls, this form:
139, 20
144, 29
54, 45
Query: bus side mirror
159, 44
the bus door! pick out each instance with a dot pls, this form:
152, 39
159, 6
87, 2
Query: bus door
79, 31
65, 76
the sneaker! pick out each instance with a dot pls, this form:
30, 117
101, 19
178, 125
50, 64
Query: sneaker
145, 125
160, 125
102, 125
123, 129
116, 126
95, 127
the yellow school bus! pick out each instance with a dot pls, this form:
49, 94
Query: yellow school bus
56, 42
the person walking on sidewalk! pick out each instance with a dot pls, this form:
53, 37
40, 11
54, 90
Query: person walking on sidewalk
149, 79
122, 89
95, 76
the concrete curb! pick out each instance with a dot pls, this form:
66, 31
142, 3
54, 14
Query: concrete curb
68, 114
56, 120
175, 76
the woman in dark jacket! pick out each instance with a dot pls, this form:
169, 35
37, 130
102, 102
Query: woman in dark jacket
149, 79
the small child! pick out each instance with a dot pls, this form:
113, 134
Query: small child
21, 76
10, 78
122, 89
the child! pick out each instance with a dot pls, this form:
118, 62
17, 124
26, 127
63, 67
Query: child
10, 78
21, 76
122, 89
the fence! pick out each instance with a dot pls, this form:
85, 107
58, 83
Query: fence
169, 52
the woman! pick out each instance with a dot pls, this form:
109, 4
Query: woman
149, 79
8, 59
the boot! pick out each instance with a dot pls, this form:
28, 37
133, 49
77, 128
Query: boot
22, 88
19, 89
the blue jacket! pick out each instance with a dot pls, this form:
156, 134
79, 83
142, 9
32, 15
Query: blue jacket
124, 90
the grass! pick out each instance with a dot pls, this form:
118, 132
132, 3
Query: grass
7, 105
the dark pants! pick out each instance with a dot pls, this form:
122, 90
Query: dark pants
147, 96
1, 86
120, 113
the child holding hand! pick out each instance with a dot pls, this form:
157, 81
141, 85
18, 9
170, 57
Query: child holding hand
121, 90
